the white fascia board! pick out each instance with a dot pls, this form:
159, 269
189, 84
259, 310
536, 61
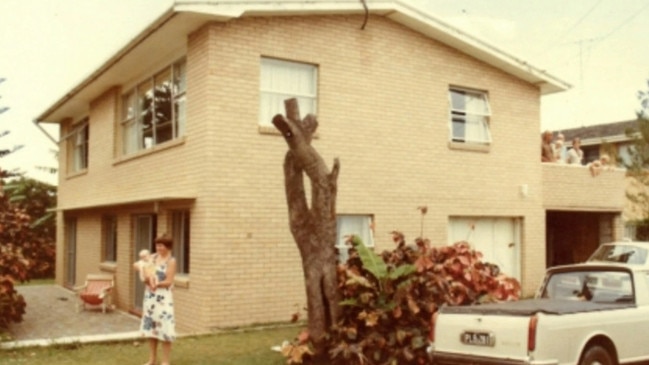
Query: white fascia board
399, 11
437, 29
225, 10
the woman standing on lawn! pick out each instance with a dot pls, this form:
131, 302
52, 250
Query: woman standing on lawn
158, 322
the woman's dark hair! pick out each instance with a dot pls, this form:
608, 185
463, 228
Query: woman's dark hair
165, 240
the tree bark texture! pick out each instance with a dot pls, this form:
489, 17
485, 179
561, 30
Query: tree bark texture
314, 228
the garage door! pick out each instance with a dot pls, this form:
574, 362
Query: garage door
497, 238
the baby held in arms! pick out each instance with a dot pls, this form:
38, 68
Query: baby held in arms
146, 267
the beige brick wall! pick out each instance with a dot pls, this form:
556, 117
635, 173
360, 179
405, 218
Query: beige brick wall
568, 187
383, 111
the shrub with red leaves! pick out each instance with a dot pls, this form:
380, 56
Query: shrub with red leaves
388, 299
14, 266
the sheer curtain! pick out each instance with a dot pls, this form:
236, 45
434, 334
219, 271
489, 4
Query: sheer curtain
281, 80
470, 116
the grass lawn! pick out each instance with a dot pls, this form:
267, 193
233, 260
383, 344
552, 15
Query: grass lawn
250, 347
36, 282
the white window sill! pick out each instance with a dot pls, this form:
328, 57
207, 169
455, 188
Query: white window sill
181, 281
108, 266
145, 152
271, 130
468, 146
74, 174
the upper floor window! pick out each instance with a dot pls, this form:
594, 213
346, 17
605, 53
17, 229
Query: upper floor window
153, 111
470, 113
78, 146
281, 80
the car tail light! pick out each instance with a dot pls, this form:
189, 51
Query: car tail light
531, 333
433, 319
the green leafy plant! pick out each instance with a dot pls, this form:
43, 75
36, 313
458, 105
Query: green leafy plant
389, 299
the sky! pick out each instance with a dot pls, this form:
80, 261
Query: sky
598, 46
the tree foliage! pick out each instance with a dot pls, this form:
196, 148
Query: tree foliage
638, 164
389, 299
36, 199
24, 240
14, 266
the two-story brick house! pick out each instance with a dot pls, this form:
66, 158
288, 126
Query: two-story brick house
172, 134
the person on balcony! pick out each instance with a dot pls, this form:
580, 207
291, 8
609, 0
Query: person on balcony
575, 154
547, 152
560, 151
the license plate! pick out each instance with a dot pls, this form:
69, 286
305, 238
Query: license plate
478, 338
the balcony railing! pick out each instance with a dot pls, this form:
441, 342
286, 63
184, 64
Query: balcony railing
576, 187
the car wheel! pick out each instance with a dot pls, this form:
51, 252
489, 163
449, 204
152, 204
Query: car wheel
596, 355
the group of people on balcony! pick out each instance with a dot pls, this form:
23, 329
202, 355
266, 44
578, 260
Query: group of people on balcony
555, 150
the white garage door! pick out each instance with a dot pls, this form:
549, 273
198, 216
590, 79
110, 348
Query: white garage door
498, 239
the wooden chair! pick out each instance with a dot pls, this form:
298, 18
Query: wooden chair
97, 291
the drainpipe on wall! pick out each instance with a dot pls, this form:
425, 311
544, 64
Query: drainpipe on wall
36, 123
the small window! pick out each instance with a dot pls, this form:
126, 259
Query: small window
348, 225
153, 112
109, 232
470, 113
181, 237
78, 144
281, 80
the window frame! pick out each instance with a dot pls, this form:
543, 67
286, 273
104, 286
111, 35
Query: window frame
70, 251
341, 234
273, 68
78, 144
181, 235
138, 104
465, 116
109, 238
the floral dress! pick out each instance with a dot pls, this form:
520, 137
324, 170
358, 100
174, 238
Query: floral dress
158, 319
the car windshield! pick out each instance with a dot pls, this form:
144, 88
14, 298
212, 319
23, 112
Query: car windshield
601, 286
628, 254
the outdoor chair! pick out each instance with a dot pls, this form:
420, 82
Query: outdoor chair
97, 291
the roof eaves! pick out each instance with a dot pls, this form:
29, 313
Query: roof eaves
396, 10
139, 37
437, 29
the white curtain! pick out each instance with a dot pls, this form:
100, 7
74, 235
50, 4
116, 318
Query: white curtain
281, 80
347, 225
472, 108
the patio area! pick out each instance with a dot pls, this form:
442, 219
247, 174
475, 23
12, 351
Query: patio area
51, 318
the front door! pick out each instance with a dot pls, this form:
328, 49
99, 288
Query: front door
144, 234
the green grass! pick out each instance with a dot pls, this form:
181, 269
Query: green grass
251, 347
36, 282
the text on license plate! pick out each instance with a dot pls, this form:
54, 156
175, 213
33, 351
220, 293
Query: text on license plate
478, 338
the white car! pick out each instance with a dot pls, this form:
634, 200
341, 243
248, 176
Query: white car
628, 252
592, 313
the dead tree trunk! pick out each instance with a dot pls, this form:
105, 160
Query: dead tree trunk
314, 228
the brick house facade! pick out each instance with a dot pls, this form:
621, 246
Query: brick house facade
211, 174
